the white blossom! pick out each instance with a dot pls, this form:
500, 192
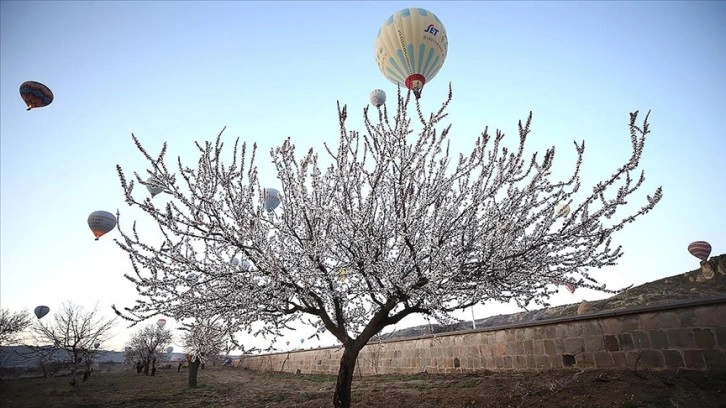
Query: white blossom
415, 229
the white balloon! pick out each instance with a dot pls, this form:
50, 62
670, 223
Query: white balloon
562, 210
235, 261
161, 323
378, 98
154, 186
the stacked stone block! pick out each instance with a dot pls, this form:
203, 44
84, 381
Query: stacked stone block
689, 335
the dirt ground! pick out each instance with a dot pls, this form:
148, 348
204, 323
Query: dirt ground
234, 387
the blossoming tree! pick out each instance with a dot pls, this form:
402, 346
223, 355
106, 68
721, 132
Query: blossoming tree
205, 339
387, 224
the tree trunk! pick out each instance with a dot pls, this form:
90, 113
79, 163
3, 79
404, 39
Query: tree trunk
146, 367
341, 398
193, 369
153, 367
73, 382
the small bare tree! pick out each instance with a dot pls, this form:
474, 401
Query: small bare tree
72, 337
146, 345
12, 325
389, 226
205, 340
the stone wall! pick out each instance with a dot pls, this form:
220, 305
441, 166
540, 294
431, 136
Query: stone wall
689, 334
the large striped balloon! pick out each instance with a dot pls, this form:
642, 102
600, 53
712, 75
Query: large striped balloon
411, 48
35, 94
700, 249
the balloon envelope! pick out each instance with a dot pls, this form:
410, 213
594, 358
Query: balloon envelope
169, 349
41, 311
35, 94
378, 98
97, 345
411, 48
161, 323
101, 222
154, 186
700, 249
563, 210
271, 198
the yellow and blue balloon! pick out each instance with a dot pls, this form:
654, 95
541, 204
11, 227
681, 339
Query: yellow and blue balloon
411, 48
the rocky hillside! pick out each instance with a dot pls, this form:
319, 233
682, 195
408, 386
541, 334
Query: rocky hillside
707, 281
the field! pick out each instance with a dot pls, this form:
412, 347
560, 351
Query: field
234, 387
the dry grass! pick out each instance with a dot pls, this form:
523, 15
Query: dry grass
233, 387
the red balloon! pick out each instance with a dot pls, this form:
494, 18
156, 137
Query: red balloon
700, 249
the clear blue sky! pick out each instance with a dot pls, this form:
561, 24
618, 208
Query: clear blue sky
179, 72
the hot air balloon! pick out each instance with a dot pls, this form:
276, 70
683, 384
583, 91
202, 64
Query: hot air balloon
169, 349
97, 345
35, 94
154, 186
378, 98
101, 222
191, 276
246, 265
41, 311
562, 210
271, 198
235, 261
700, 249
161, 323
411, 48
